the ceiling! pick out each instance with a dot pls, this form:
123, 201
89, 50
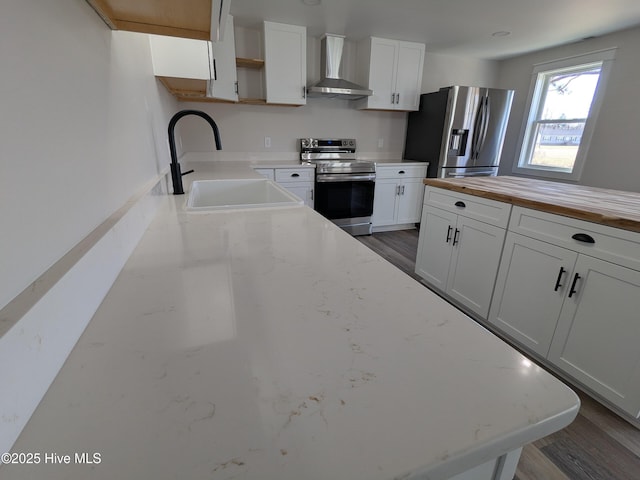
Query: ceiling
451, 27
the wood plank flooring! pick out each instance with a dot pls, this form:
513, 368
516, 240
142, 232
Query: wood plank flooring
598, 445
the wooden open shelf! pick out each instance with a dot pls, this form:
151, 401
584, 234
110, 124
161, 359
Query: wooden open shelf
254, 63
193, 90
177, 18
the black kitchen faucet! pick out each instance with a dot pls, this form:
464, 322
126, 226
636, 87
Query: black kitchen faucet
176, 175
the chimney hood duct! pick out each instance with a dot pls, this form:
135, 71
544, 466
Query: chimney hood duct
331, 84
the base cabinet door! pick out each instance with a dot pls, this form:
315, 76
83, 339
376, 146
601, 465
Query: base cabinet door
434, 247
477, 247
532, 284
410, 200
459, 256
597, 340
384, 202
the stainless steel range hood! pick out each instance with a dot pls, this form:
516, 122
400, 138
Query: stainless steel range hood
332, 85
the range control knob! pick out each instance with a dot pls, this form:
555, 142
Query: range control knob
351, 143
305, 142
314, 143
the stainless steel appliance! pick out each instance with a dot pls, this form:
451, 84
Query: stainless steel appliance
459, 131
344, 186
331, 84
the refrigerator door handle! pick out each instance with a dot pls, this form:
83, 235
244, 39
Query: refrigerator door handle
485, 124
483, 173
477, 125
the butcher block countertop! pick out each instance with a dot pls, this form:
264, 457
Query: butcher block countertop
607, 207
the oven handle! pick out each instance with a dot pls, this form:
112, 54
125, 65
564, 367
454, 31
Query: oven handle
367, 177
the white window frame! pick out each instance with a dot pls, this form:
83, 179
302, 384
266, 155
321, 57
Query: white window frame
536, 92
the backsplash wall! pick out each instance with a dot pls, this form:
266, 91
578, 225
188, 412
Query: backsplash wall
243, 127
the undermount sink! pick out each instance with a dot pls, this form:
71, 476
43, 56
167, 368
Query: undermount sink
209, 195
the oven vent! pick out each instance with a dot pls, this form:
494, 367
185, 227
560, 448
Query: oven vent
332, 85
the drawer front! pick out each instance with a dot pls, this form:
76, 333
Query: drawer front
401, 171
477, 208
612, 244
294, 175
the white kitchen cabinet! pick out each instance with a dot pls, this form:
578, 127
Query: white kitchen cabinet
285, 50
598, 332
180, 57
297, 180
397, 201
566, 293
433, 260
393, 70
176, 59
459, 254
532, 284
224, 77
474, 263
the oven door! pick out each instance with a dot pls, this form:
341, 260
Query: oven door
339, 196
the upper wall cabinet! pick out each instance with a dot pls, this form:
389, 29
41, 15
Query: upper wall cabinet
195, 19
180, 57
189, 67
224, 77
393, 70
285, 63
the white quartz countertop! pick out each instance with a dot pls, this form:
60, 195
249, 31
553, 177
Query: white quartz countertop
269, 344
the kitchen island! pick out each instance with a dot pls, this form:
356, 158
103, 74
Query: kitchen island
269, 344
552, 267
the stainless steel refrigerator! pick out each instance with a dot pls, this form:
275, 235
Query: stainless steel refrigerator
459, 131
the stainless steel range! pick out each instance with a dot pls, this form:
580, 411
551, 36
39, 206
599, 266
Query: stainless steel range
344, 186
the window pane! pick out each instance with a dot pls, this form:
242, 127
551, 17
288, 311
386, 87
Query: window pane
556, 144
569, 94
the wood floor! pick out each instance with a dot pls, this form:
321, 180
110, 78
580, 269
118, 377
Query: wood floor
598, 445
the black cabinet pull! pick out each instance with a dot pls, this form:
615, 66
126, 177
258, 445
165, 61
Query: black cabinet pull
558, 284
401, 172
460, 204
583, 237
573, 290
295, 175
215, 70
455, 237
449, 233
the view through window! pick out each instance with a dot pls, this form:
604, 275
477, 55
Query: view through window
565, 106
561, 108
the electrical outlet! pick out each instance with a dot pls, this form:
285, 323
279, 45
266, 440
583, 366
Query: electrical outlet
267, 142
380, 142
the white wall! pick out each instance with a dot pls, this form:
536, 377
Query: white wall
82, 128
613, 158
445, 70
243, 127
